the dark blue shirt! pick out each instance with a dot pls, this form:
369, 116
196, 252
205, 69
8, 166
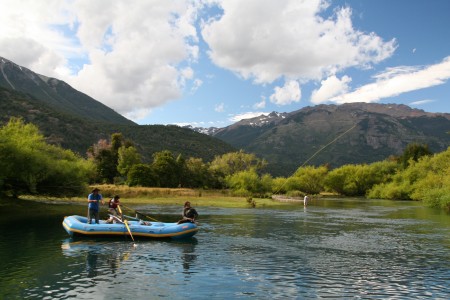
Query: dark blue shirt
94, 205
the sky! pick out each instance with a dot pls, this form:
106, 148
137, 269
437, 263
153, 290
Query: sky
211, 63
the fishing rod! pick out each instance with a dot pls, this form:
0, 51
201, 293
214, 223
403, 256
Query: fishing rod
317, 152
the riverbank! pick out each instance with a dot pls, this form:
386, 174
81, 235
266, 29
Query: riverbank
165, 196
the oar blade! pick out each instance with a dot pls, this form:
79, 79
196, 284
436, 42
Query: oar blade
129, 231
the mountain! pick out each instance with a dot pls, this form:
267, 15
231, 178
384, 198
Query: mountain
323, 134
204, 130
337, 134
56, 94
78, 134
75, 121
59, 128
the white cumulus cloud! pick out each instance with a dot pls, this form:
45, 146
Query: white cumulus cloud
395, 81
287, 94
329, 88
134, 55
267, 40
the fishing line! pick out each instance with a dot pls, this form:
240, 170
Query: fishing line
317, 152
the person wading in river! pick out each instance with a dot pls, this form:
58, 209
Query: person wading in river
305, 200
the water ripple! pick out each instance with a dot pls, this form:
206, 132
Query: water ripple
364, 252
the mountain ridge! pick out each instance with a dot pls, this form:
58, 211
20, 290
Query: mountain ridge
352, 133
56, 93
324, 134
75, 121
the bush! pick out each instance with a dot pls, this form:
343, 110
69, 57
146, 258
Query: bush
310, 179
28, 165
358, 180
428, 179
434, 187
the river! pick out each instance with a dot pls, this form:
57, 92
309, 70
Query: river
334, 248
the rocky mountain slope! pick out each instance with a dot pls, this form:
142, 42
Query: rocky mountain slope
351, 133
56, 94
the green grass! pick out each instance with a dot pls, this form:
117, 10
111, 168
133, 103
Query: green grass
130, 196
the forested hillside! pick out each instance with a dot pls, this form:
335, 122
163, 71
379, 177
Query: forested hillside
77, 134
56, 94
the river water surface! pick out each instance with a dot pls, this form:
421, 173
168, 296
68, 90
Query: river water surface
334, 248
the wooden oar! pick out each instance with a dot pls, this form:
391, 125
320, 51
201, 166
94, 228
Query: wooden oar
141, 213
128, 228
126, 225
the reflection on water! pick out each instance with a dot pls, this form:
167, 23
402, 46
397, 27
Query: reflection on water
114, 254
95, 251
188, 255
330, 249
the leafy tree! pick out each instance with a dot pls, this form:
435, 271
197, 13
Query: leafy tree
336, 179
399, 187
28, 165
434, 187
106, 165
248, 183
166, 169
413, 152
197, 173
311, 179
182, 171
266, 183
106, 157
427, 179
234, 162
128, 157
292, 184
357, 180
279, 185
245, 182
117, 141
141, 175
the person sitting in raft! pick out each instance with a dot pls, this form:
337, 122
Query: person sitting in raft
189, 213
112, 209
93, 199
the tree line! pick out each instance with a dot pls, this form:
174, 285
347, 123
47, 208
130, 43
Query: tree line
29, 165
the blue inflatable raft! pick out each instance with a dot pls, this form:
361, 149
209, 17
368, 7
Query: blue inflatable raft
78, 226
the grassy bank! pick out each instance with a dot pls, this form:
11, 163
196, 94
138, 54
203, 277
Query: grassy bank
166, 196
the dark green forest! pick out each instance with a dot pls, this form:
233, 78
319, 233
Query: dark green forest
78, 134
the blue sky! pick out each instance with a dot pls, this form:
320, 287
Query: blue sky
212, 63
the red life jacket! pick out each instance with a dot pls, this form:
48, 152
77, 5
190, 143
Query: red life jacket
113, 204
